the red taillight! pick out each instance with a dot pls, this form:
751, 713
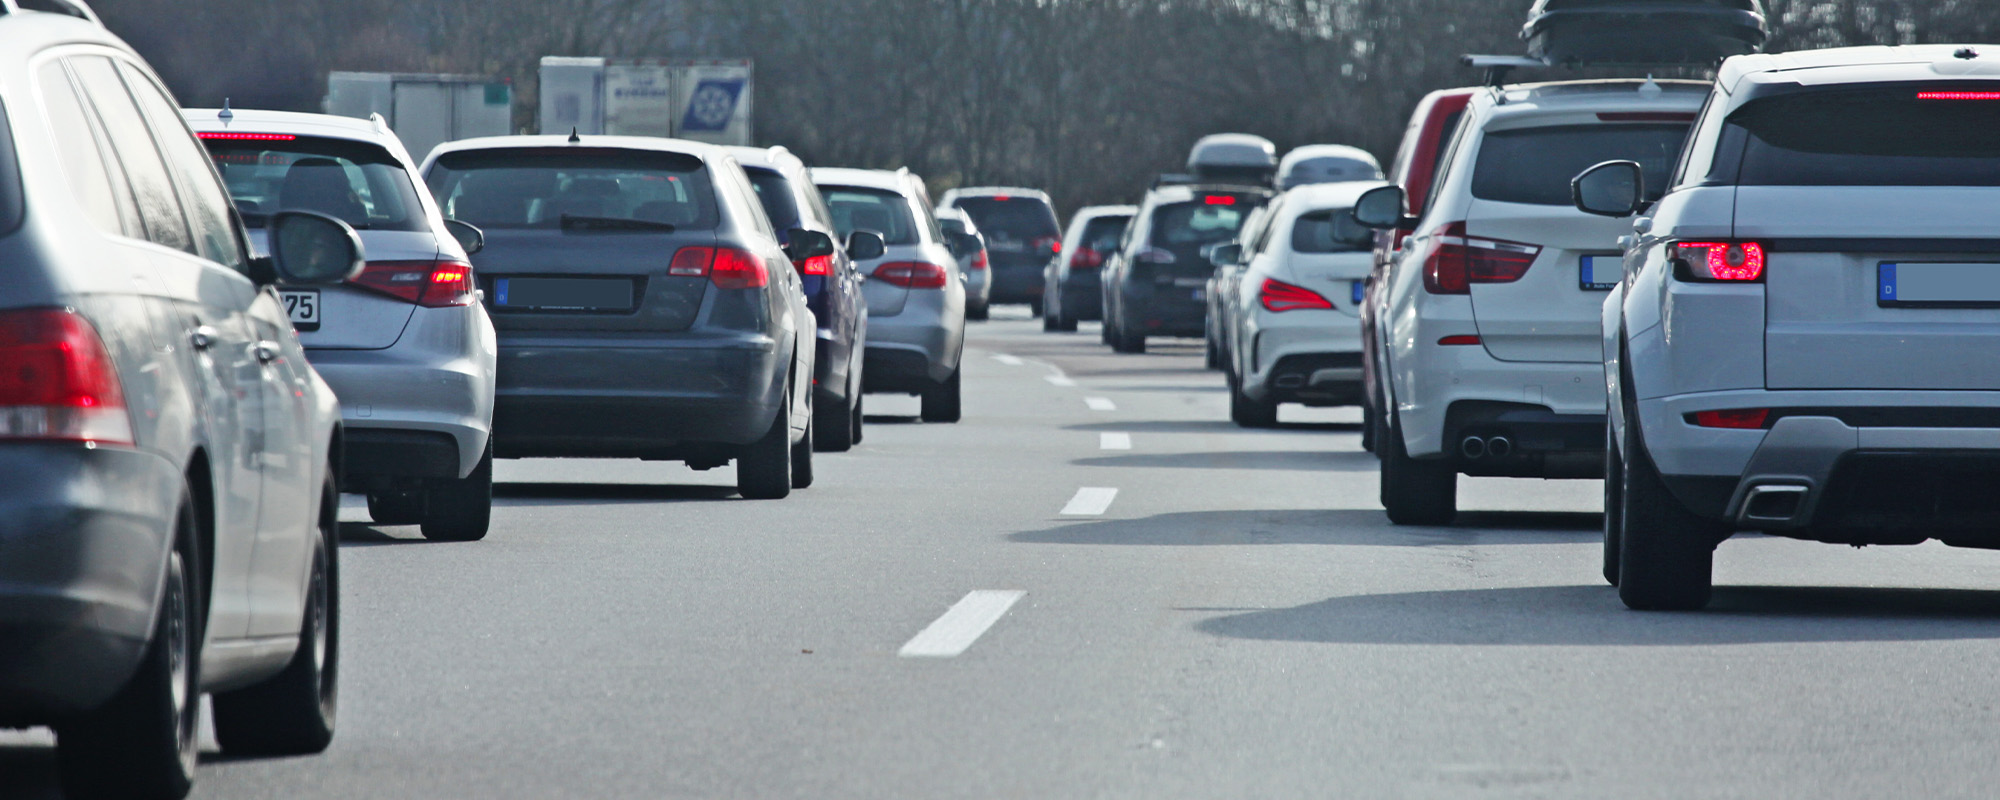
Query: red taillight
247, 137
1732, 418
912, 274
1958, 95
57, 381
979, 259
817, 265
1463, 338
1086, 258
432, 284
1049, 243
1219, 200
1723, 261
1278, 295
1001, 198
726, 267
1457, 261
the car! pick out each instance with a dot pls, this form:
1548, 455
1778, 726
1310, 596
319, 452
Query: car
1156, 283
1489, 327
406, 345
1294, 332
1799, 340
962, 235
1070, 282
644, 304
168, 457
1019, 225
1415, 168
1326, 163
833, 292
1223, 284
916, 294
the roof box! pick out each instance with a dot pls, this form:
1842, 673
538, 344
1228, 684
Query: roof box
1233, 158
1643, 31
1327, 163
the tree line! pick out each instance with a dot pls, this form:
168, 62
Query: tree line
1089, 99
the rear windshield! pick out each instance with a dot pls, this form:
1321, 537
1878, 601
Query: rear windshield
1102, 233
1331, 231
1197, 223
1535, 165
10, 179
1890, 136
775, 193
883, 212
1015, 220
356, 182
536, 188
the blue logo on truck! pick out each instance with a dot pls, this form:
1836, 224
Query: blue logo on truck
712, 105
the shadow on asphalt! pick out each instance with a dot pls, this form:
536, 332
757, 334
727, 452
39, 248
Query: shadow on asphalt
28, 772
874, 419
1592, 615
1341, 527
503, 493
1348, 461
368, 534
1209, 426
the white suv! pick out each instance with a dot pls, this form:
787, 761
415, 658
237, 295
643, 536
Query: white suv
1490, 357
1803, 339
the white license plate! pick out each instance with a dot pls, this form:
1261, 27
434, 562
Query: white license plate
303, 306
1937, 284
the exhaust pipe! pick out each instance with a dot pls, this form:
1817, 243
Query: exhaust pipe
1499, 447
1473, 447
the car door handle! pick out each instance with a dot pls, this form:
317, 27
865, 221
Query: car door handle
202, 337
268, 351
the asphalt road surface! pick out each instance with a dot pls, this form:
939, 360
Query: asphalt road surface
1220, 613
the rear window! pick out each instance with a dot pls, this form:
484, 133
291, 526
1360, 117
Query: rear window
1888, 136
883, 212
775, 193
1535, 165
10, 179
356, 182
1197, 223
1015, 220
1330, 231
536, 188
1102, 233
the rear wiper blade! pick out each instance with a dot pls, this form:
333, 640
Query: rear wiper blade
575, 222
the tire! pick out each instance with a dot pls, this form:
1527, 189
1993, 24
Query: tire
1049, 321
1128, 342
292, 713
1614, 505
1417, 492
461, 509
764, 468
1107, 332
1250, 413
835, 425
1666, 553
1368, 427
141, 743
396, 507
858, 428
978, 311
1066, 322
802, 452
941, 401
1035, 307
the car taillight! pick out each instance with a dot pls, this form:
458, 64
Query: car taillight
1049, 243
726, 267
1460, 339
57, 382
1219, 200
1720, 261
1086, 258
1457, 261
912, 274
817, 265
1278, 295
979, 259
1732, 418
1958, 95
1154, 255
431, 284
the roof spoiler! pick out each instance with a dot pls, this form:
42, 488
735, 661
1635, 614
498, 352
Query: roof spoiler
1172, 179
1499, 67
73, 8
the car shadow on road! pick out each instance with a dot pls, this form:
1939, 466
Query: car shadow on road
1329, 527
1592, 615
369, 534
881, 419
1310, 460
1211, 426
520, 494
28, 772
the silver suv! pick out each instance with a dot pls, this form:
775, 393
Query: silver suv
406, 344
1801, 341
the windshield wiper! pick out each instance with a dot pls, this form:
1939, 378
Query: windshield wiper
575, 222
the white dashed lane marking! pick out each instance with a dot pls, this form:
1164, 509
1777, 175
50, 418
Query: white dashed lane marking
1100, 404
1059, 380
967, 620
1012, 361
1114, 441
1090, 501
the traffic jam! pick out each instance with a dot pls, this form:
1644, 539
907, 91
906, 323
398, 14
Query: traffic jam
1747, 293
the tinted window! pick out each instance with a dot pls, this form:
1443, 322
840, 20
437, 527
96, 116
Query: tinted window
357, 182
775, 193
132, 142
1014, 221
1196, 223
206, 205
535, 188
76, 146
1535, 165
883, 212
1102, 234
1330, 231
1869, 137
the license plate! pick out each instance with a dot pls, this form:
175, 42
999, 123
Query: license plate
1201, 294
1187, 282
1597, 273
303, 307
563, 294
1945, 284
1360, 292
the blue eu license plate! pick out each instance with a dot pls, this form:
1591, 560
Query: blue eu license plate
1600, 272
1965, 285
1360, 291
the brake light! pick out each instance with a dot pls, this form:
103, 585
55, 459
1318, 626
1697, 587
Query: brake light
247, 137
1463, 338
1456, 261
1278, 295
1958, 95
912, 274
1154, 255
726, 267
817, 265
1002, 198
979, 259
1219, 200
1049, 243
1722, 261
431, 284
57, 382
1732, 418
1086, 258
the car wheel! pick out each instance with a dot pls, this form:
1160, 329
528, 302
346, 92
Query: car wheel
1049, 320
461, 509
141, 743
293, 712
1666, 553
1126, 342
764, 468
1035, 307
1067, 320
941, 401
1417, 492
978, 311
1614, 505
1107, 330
1249, 413
857, 413
802, 452
1368, 427
834, 425
396, 507
1211, 353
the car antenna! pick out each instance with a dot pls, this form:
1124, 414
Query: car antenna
226, 114
1651, 88
573, 138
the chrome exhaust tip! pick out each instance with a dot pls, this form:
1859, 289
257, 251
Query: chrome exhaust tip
1473, 447
1499, 447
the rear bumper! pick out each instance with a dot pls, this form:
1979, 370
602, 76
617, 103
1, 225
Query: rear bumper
84, 537
626, 398
1083, 299
1311, 357
911, 345
409, 418
1015, 283
1163, 309
1430, 379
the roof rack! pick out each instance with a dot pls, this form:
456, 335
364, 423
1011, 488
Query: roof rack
72, 8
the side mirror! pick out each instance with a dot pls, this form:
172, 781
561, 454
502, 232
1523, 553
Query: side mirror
311, 249
1224, 255
1382, 208
866, 245
802, 244
1610, 189
469, 237
962, 244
